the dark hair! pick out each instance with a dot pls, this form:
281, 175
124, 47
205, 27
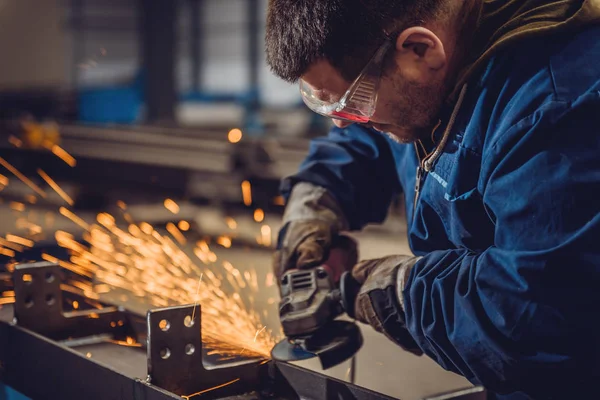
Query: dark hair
344, 32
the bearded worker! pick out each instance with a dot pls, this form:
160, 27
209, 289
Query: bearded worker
485, 116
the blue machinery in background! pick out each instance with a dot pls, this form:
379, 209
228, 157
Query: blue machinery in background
153, 90
7, 393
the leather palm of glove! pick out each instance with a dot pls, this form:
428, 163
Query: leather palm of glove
379, 302
311, 224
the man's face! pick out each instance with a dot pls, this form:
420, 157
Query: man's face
409, 97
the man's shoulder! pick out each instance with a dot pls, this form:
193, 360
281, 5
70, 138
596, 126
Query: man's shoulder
575, 65
534, 77
556, 68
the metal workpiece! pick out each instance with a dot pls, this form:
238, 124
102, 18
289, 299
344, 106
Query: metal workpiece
176, 356
46, 353
39, 307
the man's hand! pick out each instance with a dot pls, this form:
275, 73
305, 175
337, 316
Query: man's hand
311, 225
303, 244
379, 302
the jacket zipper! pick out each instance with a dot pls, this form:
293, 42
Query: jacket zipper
420, 176
418, 180
426, 164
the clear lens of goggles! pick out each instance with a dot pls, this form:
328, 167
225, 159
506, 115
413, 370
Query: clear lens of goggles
360, 112
358, 103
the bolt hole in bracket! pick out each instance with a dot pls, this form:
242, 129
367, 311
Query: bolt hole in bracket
175, 356
39, 307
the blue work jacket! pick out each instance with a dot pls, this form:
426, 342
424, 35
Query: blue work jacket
507, 292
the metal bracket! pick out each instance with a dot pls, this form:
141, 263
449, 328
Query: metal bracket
175, 356
39, 307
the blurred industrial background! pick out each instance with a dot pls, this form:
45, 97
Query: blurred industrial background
161, 118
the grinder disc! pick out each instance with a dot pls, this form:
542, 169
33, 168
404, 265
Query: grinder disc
334, 343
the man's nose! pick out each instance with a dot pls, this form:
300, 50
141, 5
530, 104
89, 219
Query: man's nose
341, 124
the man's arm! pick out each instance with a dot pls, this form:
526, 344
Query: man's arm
523, 314
356, 165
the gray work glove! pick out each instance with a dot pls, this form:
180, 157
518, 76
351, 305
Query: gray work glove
311, 224
379, 302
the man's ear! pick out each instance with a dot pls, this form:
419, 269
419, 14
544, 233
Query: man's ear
420, 53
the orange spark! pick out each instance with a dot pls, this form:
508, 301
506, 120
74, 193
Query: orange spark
146, 228
171, 206
128, 342
258, 332
259, 215
3, 180
22, 177
184, 225
105, 219
231, 223
15, 141
103, 288
265, 232
15, 205
203, 245
279, 201
75, 304
176, 233
234, 135
8, 293
247, 193
196, 302
121, 204
49, 258
270, 280
74, 218
19, 240
11, 245
55, 187
63, 155
224, 241
31, 199
211, 389
7, 252
7, 300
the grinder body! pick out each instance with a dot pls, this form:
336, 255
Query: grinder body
311, 301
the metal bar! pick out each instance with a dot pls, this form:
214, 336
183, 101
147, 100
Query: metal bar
158, 36
39, 302
196, 42
175, 355
25, 354
311, 385
78, 49
253, 123
42, 369
253, 45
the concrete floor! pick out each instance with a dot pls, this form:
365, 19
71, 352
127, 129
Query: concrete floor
381, 366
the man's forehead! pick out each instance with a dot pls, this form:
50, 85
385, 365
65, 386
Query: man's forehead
326, 81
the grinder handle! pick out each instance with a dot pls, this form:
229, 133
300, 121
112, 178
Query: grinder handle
349, 288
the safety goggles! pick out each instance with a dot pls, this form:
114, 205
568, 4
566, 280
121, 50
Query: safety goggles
357, 105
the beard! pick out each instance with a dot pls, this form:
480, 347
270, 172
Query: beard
415, 113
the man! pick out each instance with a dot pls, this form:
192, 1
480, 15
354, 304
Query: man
485, 115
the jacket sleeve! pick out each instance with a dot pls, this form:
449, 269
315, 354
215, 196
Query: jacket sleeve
356, 165
523, 314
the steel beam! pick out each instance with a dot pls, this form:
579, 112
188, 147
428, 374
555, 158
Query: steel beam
158, 39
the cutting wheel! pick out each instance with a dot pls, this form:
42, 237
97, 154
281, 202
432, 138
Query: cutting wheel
333, 343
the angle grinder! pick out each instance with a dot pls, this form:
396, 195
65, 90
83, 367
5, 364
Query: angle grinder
311, 302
